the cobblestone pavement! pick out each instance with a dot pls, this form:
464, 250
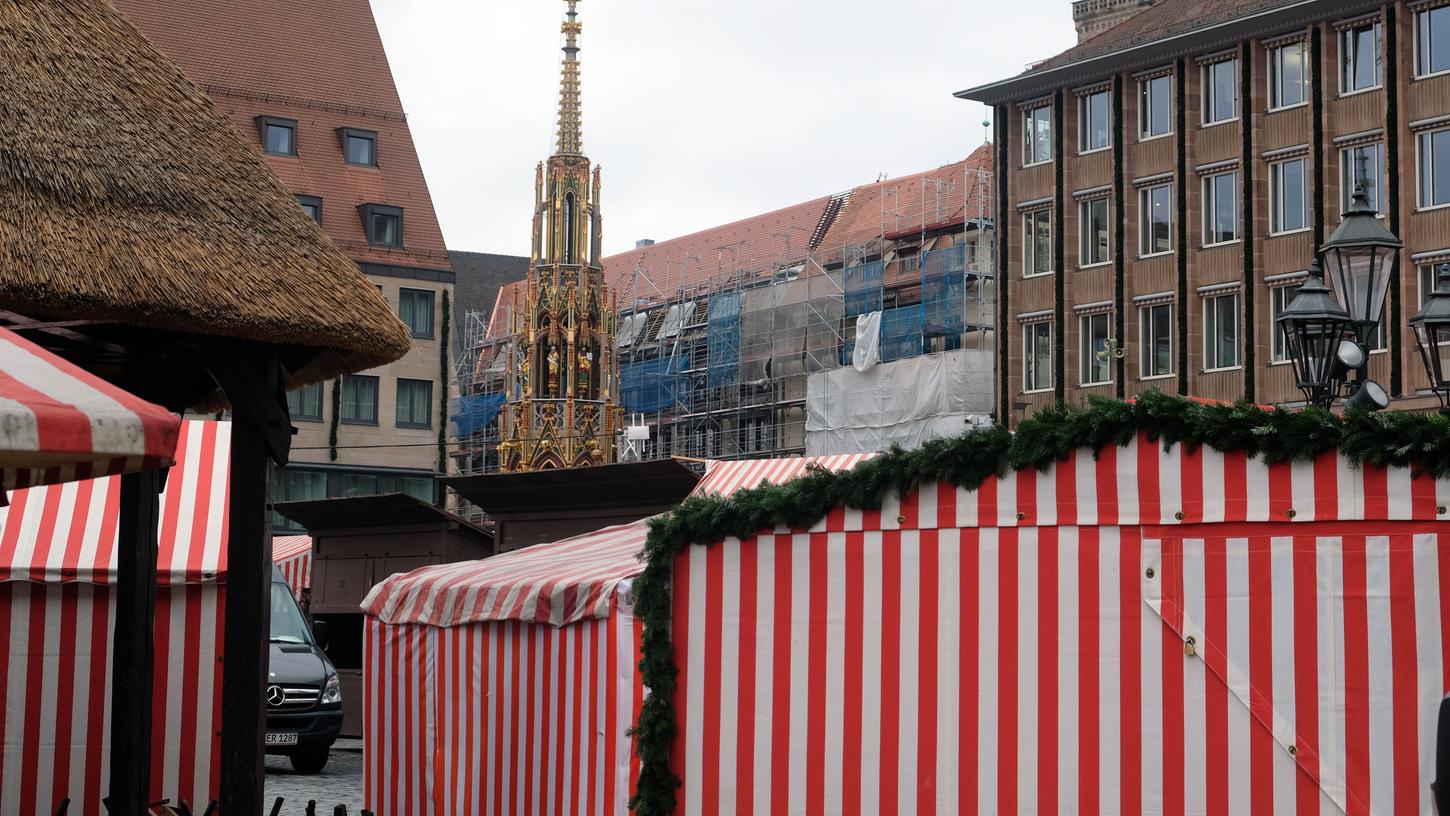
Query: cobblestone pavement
340, 783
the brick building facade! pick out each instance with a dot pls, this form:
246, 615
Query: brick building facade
1163, 186
310, 84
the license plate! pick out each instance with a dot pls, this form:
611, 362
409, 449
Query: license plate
281, 739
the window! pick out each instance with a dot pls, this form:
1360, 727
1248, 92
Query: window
415, 308
1037, 356
296, 485
1279, 298
1362, 164
1155, 219
1434, 168
1155, 107
1096, 352
1359, 58
1093, 248
1094, 125
312, 205
1037, 135
1220, 208
306, 402
383, 224
359, 146
1037, 243
1288, 196
1155, 324
279, 136
1432, 41
1427, 280
360, 399
415, 398
1288, 75
1220, 91
1221, 331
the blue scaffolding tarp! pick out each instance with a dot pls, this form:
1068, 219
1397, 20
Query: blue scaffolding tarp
863, 288
653, 385
474, 412
901, 333
723, 339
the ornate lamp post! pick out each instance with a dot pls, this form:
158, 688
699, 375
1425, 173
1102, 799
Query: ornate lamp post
1360, 257
1432, 331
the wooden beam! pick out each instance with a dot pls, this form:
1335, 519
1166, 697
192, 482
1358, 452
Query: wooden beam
252, 376
133, 646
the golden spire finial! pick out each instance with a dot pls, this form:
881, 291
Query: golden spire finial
571, 138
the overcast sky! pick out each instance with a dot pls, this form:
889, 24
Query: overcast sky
700, 113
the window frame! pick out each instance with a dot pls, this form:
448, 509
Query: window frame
297, 412
342, 417
1279, 298
1346, 177
1208, 212
1145, 347
1029, 144
427, 422
1277, 199
367, 211
432, 307
1083, 210
1275, 89
1210, 301
1029, 252
1419, 46
1421, 162
315, 202
1345, 69
1145, 107
1084, 114
1086, 333
1207, 92
346, 133
1144, 195
264, 122
1029, 331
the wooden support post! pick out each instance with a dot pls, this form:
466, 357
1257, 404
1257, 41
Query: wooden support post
249, 579
134, 643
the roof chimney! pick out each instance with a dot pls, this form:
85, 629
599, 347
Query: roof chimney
644, 242
1093, 17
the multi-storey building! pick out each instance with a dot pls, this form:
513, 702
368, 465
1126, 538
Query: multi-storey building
1093, 17
310, 83
1163, 186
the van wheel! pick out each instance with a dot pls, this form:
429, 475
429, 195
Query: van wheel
309, 762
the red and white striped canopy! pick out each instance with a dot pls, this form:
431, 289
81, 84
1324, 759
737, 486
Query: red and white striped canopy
724, 478
294, 555
59, 423
562, 582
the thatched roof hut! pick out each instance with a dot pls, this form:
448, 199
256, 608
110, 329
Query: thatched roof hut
127, 197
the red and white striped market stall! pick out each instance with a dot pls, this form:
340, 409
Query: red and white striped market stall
293, 555
57, 612
1144, 631
507, 684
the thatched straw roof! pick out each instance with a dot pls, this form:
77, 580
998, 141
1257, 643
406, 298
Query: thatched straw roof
127, 196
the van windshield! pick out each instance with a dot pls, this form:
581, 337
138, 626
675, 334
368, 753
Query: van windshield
287, 623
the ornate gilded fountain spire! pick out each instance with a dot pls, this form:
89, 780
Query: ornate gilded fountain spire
571, 133
562, 405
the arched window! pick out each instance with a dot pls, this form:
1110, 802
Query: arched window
569, 228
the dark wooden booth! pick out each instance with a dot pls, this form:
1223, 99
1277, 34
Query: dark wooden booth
535, 507
356, 543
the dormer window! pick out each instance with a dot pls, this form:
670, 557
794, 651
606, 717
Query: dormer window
359, 146
312, 205
279, 136
382, 224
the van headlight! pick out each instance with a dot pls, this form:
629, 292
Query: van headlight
332, 691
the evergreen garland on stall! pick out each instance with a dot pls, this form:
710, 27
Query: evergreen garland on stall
1390, 438
336, 416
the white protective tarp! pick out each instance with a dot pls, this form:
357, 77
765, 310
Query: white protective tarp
867, 351
905, 402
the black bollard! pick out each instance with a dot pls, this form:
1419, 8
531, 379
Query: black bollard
277, 806
340, 810
311, 807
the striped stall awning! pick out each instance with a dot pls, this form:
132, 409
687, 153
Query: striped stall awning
558, 583
293, 555
723, 478
59, 423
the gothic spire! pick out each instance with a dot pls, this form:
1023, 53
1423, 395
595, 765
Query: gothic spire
571, 138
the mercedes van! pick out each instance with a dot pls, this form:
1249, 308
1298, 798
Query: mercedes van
304, 700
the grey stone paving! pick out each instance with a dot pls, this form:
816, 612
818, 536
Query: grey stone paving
340, 783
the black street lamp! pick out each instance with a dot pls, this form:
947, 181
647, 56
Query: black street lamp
1360, 258
1316, 331
1432, 331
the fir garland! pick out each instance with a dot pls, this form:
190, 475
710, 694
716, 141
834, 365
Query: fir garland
443, 398
1392, 199
1246, 191
1003, 285
1120, 251
336, 416
1390, 438
1059, 280
1181, 140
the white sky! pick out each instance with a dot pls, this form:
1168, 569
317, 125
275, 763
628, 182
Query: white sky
700, 113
